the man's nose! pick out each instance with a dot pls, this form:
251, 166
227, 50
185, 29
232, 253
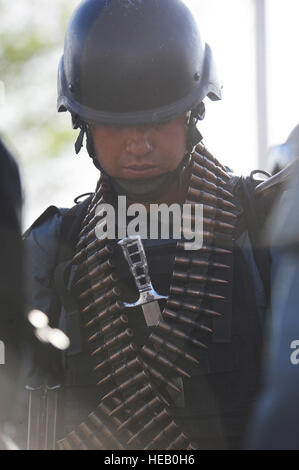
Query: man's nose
138, 141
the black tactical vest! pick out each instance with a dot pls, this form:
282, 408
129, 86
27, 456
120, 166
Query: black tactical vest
216, 401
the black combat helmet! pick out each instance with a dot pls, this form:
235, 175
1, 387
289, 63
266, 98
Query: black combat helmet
134, 62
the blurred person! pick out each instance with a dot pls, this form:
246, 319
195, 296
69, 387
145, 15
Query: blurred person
22, 355
18, 345
133, 76
282, 155
275, 420
12, 307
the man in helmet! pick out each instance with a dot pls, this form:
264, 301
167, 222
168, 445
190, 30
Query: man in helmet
134, 75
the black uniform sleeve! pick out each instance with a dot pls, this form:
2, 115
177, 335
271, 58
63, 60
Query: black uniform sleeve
41, 245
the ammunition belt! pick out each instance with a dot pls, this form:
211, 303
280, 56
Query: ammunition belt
135, 383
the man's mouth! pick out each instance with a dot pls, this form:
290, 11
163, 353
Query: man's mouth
140, 170
144, 166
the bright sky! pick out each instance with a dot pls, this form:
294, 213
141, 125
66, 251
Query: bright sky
229, 128
283, 68
229, 27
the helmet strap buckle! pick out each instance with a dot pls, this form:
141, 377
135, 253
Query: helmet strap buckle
79, 141
193, 135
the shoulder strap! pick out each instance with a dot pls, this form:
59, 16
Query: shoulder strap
47, 214
70, 227
69, 231
256, 210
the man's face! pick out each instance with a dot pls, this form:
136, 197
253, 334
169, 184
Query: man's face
141, 152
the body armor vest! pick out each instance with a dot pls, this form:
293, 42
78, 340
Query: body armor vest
186, 383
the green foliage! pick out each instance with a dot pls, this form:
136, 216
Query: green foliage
54, 140
17, 50
26, 54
